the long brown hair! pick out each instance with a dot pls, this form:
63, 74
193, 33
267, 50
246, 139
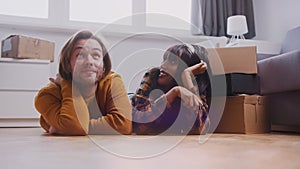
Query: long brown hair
66, 53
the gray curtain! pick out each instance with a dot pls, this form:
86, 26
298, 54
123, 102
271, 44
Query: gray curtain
216, 12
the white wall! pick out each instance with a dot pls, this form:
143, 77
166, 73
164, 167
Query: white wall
273, 18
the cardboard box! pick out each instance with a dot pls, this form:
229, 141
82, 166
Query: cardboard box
23, 47
233, 60
240, 83
244, 114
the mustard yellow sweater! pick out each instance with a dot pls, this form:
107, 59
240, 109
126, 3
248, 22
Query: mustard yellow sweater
67, 111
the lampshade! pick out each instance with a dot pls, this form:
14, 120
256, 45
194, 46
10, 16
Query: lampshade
237, 25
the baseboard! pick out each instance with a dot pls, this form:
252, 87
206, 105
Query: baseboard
32, 122
289, 128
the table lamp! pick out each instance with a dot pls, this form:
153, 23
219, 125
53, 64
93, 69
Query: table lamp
236, 27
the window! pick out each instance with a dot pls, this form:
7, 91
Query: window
161, 15
176, 13
28, 8
101, 11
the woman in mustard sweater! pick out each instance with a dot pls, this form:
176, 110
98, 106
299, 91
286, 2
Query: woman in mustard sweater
86, 97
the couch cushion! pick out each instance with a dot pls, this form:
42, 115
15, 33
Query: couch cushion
280, 73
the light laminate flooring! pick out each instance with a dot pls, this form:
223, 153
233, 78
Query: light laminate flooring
31, 148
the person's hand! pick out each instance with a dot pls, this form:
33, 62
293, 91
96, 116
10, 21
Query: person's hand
190, 100
57, 79
197, 68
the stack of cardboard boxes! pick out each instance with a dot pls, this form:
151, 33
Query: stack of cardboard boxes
25, 47
244, 108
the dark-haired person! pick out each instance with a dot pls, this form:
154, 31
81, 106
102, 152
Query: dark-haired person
172, 98
86, 97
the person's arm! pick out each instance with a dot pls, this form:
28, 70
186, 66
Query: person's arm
189, 73
117, 115
158, 106
190, 99
150, 112
56, 106
146, 109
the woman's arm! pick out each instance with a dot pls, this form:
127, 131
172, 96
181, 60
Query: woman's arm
189, 74
158, 106
56, 106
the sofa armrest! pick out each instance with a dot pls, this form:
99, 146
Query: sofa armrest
280, 73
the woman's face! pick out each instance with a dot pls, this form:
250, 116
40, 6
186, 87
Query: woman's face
168, 69
87, 62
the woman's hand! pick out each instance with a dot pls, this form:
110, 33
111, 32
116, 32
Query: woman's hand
57, 79
197, 68
189, 99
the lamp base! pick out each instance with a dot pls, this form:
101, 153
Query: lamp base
235, 38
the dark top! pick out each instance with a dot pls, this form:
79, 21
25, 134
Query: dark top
151, 115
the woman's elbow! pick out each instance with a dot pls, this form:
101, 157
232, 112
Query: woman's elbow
38, 104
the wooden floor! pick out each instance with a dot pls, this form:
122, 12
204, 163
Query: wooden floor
30, 148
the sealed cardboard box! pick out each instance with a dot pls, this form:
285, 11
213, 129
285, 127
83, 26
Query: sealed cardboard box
233, 60
244, 114
24, 47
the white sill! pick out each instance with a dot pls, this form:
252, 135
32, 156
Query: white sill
118, 31
262, 47
33, 61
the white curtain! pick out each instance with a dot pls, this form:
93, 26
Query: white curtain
196, 18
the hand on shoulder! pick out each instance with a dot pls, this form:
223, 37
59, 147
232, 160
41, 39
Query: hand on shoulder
57, 80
